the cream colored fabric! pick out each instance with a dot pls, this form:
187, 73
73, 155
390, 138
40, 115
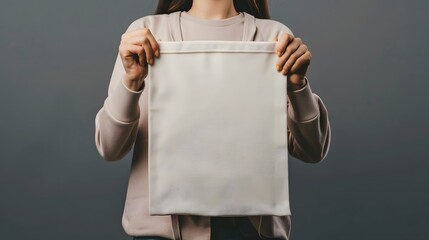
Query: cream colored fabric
217, 130
121, 129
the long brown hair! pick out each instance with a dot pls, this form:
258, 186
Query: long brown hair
257, 8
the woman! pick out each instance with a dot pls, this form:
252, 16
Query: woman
122, 121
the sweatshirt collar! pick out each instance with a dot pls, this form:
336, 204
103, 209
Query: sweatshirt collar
249, 30
214, 22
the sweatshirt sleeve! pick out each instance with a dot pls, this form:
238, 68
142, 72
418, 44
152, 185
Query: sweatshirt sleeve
309, 131
116, 123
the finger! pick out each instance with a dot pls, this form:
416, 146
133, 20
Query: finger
136, 40
142, 56
154, 44
301, 61
139, 37
129, 51
144, 42
293, 57
140, 40
148, 52
291, 48
282, 43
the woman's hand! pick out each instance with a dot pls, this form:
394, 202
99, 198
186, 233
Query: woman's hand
137, 50
294, 59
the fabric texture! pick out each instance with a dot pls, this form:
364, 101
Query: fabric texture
121, 124
217, 130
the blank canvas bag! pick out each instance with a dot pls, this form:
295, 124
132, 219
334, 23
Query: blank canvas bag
217, 130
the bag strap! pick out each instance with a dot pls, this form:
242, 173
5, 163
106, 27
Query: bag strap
175, 224
249, 27
175, 30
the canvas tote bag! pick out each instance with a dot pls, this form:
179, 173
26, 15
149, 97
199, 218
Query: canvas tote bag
217, 130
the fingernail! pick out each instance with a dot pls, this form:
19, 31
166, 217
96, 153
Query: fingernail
278, 68
151, 61
278, 53
157, 53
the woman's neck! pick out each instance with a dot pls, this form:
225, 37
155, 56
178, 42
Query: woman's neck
212, 9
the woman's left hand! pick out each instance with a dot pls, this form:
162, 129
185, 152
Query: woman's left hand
294, 59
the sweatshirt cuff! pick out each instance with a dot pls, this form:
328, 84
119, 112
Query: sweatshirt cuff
123, 103
303, 105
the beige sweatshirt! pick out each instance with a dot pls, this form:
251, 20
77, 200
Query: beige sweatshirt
121, 123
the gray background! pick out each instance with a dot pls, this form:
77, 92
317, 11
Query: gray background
369, 65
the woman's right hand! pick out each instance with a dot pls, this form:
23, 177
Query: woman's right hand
137, 50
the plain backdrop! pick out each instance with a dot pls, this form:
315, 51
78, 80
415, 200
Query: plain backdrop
369, 67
